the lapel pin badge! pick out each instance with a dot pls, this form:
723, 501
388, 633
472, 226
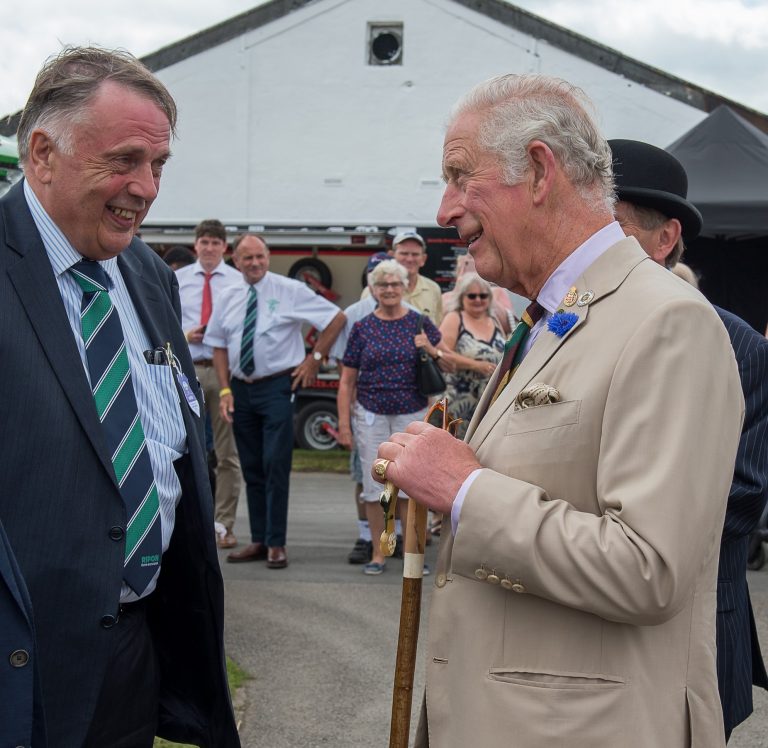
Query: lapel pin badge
585, 298
571, 296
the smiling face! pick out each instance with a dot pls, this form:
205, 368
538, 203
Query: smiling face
411, 255
491, 216
100, 193
476, 300
388, 291
252, 259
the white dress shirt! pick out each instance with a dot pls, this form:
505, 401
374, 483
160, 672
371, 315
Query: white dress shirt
191, 281
550, 297
156, 395
284, 305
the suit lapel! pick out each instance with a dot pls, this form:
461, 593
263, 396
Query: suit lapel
602, 278
146, 297
33, 279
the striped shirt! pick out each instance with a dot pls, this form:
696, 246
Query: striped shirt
156, 394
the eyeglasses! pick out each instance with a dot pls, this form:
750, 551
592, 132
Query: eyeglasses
473, 296
438, 415
392, 284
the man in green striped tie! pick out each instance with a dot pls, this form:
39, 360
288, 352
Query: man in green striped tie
110, 515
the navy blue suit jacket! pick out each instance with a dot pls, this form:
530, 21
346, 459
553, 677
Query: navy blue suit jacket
21, 720
739, 661
59, 499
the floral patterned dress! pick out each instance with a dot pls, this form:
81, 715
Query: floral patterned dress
464, 387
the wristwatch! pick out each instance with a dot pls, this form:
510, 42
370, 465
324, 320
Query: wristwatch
317, 355
438, 355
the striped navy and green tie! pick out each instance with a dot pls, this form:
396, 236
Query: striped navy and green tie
115, 400
247, 364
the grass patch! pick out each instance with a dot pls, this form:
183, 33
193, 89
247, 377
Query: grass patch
236, 676
315, 461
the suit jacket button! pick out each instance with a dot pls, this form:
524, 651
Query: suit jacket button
481, 574
492, 579
116, 533
108, 622
19, 658
440, 580
517, 587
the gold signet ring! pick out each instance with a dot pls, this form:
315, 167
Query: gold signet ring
380, 468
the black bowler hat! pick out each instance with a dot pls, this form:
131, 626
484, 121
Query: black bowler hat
652, 178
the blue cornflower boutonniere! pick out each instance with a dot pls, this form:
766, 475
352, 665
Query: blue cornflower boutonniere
560, 322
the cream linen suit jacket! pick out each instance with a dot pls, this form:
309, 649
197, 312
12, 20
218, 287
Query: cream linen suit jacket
601, 517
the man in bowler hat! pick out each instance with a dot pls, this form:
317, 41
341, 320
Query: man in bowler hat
652, 189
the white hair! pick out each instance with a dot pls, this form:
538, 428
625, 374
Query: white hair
388, 267
519, 109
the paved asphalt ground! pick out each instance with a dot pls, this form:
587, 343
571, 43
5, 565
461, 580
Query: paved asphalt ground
319, 638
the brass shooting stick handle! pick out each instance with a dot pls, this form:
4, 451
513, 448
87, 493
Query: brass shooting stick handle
388, 501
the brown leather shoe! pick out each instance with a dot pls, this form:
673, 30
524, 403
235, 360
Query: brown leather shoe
276, 558
251, 552
228, 541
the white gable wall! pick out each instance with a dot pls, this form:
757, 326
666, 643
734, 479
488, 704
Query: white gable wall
288, 124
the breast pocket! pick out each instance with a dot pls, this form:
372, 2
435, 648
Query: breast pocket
166, 426
543, 418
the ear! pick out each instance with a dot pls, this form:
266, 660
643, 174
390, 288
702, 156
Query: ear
42, 157
666, 240
543, 167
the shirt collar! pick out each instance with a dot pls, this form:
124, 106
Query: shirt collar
573, 266
200, 269
61, 254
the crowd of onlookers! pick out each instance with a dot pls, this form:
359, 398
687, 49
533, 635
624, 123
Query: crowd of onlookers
400, 313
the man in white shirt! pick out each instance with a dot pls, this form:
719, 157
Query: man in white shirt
259, 358
574, 599
201, 286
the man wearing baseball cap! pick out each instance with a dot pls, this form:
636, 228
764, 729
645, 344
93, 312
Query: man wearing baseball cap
652, 189
410, 250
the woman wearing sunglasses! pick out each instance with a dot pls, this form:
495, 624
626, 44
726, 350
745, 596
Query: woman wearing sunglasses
377, 392
471, 331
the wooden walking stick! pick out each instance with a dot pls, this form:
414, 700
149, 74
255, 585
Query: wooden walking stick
414, 533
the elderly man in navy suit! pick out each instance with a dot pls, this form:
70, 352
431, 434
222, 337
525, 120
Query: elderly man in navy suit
105, 499
652, 188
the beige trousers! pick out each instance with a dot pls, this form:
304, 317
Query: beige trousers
228, 475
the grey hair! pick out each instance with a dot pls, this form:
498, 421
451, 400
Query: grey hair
650, 219
388, 267
519, 109
67, 84
462, 287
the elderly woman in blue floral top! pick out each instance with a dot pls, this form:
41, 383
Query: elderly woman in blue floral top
378, 393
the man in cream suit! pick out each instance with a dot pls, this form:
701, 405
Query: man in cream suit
575, 594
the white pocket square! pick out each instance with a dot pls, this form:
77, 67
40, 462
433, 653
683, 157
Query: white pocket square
536, 394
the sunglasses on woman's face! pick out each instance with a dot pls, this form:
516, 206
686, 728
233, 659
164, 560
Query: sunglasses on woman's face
473, 296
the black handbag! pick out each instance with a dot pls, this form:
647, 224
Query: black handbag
429, 378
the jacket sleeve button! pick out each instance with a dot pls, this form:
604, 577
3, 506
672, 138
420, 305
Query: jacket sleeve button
108, 622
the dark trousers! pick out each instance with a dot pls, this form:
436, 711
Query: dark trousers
263, 428
126, 710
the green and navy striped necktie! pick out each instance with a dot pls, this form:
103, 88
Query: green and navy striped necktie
247, 364
118, 413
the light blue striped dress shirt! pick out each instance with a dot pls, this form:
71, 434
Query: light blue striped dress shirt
156, 395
